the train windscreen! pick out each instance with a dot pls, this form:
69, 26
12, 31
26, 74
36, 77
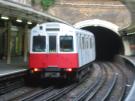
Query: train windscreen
39, 44
66, 43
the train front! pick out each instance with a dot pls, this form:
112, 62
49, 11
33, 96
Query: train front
53, 51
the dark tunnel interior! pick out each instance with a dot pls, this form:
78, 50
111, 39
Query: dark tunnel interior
108, 43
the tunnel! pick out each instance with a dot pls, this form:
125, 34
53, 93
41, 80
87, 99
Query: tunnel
108, 43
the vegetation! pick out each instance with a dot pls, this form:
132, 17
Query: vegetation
47, 3
33, 2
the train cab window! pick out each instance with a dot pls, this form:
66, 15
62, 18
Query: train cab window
52, 43
39, 44
66, 43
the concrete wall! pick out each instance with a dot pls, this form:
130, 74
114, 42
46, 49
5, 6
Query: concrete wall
23, 2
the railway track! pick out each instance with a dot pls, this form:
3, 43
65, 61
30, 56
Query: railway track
107, 81
118, 92
69, 89
110, 87
107, 86
84, 89
115, 86
59, 93
38, 94
10, 84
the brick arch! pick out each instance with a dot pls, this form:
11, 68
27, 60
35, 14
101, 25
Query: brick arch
98, 22
108, 41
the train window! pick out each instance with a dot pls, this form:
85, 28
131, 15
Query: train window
80, 42
52, 29
66, 43
86, 43
52, 43
39, 44
83, 47
90, 42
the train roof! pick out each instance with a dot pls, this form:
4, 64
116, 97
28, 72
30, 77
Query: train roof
58, 25
52, 25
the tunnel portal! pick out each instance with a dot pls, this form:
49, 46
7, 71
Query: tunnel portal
108, 43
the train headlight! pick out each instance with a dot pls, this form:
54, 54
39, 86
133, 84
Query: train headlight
35, 70
69, 69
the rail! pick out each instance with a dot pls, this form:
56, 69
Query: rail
131, 94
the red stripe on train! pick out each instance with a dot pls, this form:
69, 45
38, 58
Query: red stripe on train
55, 60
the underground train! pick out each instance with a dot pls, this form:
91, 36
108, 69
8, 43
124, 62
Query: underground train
58, 50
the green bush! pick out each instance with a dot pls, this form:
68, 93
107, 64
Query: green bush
47, 3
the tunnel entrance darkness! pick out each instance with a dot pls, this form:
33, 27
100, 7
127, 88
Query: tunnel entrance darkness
108, 43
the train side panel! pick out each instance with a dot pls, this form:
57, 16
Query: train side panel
86, 48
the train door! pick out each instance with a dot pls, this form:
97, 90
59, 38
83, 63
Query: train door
79, 48
52, 44
53, 51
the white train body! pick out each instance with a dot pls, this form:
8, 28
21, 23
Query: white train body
61, 48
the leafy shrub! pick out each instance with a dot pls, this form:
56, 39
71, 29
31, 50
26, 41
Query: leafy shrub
47, 3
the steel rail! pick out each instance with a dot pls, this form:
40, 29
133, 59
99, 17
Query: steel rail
110, 79
63, 91
84, 94
7, 86
124, 79
57, 95
112, 84
37, 94
60, 92
96, 89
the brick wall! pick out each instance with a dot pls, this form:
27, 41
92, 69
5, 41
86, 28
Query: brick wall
75, 11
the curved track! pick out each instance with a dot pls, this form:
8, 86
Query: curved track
108, 85
107, 81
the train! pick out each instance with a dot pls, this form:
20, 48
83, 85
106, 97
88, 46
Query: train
58, 50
